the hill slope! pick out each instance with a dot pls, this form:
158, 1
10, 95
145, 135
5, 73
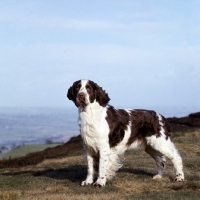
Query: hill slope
60, 151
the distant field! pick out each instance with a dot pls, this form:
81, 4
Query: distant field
36, 125
25, 149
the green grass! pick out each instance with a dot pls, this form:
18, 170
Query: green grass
25, 149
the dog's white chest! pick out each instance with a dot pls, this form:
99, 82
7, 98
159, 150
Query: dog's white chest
88, 133
93, 126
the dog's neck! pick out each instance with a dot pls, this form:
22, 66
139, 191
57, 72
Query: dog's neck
91, 108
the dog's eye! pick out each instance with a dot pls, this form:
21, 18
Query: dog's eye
88, 88
78, 87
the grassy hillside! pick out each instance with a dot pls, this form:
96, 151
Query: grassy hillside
60, 178
25, 149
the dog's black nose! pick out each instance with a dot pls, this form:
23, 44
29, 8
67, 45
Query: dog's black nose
81, 95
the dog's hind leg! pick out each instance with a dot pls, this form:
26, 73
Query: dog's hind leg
166, 148
159, 159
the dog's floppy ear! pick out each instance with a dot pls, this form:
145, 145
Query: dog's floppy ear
101, 96
71, 94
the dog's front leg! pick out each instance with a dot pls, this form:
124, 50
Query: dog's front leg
90, 171
104, 154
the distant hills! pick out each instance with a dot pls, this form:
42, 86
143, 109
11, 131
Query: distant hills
36, 126
183, 124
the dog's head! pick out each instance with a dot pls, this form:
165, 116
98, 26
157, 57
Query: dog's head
84, 92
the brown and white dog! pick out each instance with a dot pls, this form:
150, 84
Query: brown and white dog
108, 132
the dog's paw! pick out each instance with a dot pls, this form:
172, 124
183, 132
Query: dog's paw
84, 183
179, 178
157, 176
100, 182
97, 185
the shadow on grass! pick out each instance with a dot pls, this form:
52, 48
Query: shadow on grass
75, 173
135, 171
78, 173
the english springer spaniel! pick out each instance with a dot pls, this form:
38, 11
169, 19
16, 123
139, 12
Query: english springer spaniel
108, 132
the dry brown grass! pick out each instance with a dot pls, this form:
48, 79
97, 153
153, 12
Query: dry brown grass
59, 179
68, 196
72, 197
74, 159
8, 195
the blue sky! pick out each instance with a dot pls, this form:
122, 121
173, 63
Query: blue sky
143, 53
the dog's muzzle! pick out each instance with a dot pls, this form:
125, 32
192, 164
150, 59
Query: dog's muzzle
81, 101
